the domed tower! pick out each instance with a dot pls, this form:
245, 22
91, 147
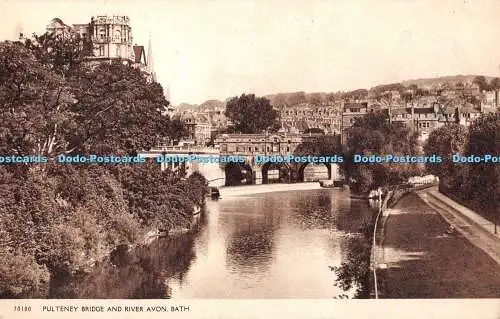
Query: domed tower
58, 27
112, 37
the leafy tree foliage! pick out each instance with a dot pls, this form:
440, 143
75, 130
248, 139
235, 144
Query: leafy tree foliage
65, 54
176, 129
374, 135
495, 84
32, 103
117, 110
251, 114
481, 82
482, 179
60, 219
475, 183
446, 141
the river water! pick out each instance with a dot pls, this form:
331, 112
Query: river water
272, 245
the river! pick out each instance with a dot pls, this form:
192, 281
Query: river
267, 245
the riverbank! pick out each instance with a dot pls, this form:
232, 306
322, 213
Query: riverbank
231, 191
478, 230
421, 256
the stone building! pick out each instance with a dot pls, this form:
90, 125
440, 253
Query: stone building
420, 119
351, 111
264, 144
490, 99
302, 117
111, 38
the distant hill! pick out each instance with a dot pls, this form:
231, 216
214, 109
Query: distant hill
209, 105
186, 107
295, 98
452, 79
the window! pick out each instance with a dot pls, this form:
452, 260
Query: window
101, 50
102, 34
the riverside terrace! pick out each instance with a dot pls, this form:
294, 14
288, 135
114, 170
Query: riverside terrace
250, 145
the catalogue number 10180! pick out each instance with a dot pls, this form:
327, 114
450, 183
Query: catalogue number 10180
22, 308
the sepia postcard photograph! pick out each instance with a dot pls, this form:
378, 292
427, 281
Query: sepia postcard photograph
249, 159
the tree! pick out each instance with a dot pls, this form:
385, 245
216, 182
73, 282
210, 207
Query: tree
495, 84
110, 108
58, 218
372, 134
482, 181
445, 142
64, 54
117, 110
176, 128
480, 81
33, 103
251, 114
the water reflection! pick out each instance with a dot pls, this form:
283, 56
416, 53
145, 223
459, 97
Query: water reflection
139, 273
251, 248
315, 212
277, 245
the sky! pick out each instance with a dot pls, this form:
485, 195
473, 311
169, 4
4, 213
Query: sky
214, 49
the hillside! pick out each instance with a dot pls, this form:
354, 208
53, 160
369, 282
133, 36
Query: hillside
295, 98
428, 82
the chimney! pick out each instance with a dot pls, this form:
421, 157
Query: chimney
390, 115
412, 116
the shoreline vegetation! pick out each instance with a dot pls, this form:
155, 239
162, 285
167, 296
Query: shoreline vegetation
60, 224
59, 220
474, 185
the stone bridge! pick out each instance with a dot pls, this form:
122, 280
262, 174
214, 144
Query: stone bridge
258, 154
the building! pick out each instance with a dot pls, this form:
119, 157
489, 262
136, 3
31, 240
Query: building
199, 127
202, 129
352, 111
490, 99
426, 119
264, 144
111, 38
303, 117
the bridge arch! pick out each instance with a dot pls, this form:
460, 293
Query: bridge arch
238, 174
322, 175
282, 172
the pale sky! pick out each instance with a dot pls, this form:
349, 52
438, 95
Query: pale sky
217, 49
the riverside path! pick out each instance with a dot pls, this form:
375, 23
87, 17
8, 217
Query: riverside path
423, 256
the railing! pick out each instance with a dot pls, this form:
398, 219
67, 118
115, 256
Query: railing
380, 212
415, 184
186, 149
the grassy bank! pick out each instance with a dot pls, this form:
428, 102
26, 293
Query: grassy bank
477, 206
